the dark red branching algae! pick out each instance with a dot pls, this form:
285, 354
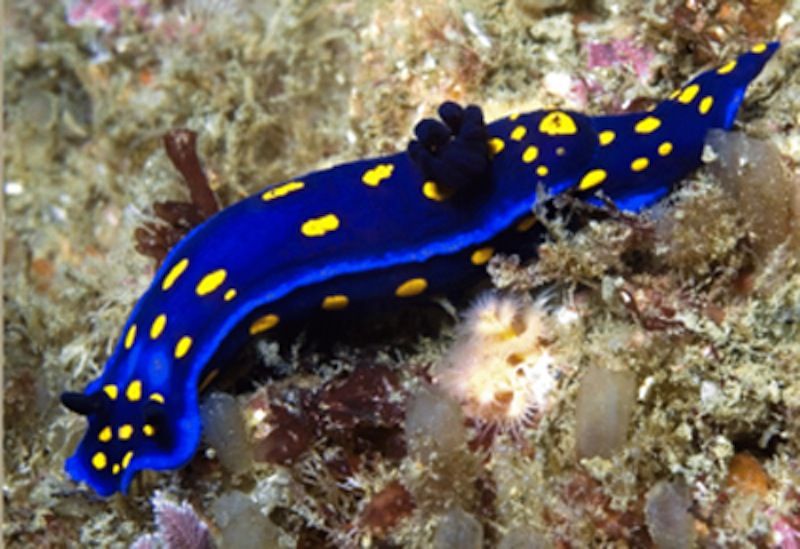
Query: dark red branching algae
156, 239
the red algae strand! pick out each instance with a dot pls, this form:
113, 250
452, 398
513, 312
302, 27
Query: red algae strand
387, 508
291, 436
359, 412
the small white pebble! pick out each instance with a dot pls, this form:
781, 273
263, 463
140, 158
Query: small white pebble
783, 21
451, 35
111, 216
429, 63
259, 415
709, 391
558, 83
709, 154
474, 28
644, 388
59, 214
567, 315
13, 188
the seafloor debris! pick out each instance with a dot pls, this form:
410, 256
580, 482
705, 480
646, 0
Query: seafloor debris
177, 526
386, 509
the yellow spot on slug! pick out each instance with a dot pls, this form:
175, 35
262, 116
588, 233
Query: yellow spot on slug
647, 125
761, 47
125, 432
105, 434
518, 133
542, 170
482, 256
665, 148
319, 226
130, 337
229, 295
530, 154
675, 94
134, 391
606, 137
173, 274
157, 328
183, 346
335, 302
513, 117
411, 287
211, 282
148, 430
727, 67
435, 192
99, 461
526, 224
282, 190
640, 164
705, 104
592, 179
558, 123
157, 397
374, 176
496, 145
264, 323
111, 391
115, 469
688, 94
126, 459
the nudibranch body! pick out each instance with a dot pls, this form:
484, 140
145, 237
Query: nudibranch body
373, 233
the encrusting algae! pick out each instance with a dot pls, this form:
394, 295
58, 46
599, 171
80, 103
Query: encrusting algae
375, 438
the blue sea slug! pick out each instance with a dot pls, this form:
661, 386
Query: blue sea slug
375, 232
